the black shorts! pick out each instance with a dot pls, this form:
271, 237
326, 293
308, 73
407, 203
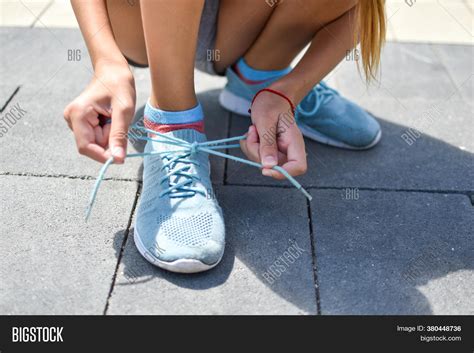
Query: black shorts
134, 64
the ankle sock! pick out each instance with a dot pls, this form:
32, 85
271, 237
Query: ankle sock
165, 121
254, 75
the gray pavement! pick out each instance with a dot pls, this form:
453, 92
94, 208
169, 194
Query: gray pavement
390, 230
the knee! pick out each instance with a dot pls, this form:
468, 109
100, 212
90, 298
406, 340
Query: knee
349, 4
328, 10
344, 5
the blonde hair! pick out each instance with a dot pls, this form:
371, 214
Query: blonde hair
372, 27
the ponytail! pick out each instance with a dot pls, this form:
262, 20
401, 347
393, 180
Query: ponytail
371, 33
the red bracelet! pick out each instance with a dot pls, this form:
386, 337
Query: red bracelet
274, 92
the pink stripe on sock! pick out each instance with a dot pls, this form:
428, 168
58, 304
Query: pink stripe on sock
247, 81
163, 128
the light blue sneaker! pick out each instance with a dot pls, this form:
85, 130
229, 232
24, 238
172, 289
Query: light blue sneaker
323, 115
179, 225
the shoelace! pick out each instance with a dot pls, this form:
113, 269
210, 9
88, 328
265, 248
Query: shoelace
176, 187
322, 94
183, 188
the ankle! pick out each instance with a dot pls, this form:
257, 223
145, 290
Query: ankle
165, 121
250, 73
176, 103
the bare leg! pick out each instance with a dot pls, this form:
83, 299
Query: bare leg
239, 25
163, 34
126, 20
275, 34
171, 31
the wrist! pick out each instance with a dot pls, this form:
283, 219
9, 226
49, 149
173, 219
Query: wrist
290, 88
112, 68
103, 64
273, 93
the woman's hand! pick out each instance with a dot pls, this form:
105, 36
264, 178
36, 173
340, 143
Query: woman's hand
110, 95
274, 137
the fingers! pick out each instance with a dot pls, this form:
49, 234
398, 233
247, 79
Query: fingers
292, 158
106, 134
82, 120
122, 114
67, 116
250, 146
296, 155
86, 140
268, 149
102, 135
95, 152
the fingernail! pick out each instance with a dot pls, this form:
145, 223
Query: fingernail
269, 160
118, 151
267, 172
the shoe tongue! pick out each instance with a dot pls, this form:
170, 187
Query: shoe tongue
188, 135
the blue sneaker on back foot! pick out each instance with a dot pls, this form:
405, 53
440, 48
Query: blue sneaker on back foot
323, 115
178, 226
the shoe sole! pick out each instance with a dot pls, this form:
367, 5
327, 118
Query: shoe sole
178, 266
236, 104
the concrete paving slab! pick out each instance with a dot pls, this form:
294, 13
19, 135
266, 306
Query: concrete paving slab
470, 4
390, 10
51, 261
35, 56
22, 13
435, 21
59, 14
407, 71
394, 253
7, 91
458, 60
243, 282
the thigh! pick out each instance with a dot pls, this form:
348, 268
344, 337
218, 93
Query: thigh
126, 22
239, 24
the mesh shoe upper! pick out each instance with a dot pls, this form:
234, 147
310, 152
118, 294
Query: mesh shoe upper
178, 218
324, 110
